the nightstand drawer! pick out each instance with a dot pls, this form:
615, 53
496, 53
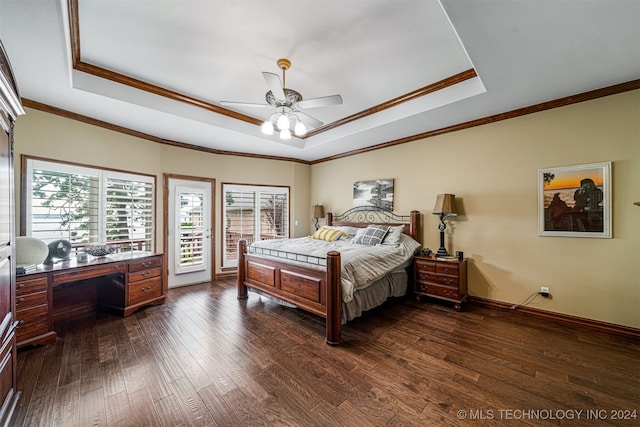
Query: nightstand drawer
445, 268
425, 266
438, 279
440, 291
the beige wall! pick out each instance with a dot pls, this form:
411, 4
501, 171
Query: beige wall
46, 135
492, 170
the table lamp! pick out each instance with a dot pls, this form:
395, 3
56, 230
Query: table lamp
318, 212
445, 207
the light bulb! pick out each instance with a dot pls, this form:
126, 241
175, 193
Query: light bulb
267, 128
285, 133
300, 128
283, 122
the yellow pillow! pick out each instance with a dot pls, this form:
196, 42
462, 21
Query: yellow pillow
328, 234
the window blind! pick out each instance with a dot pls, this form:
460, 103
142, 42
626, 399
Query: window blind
89, 205
253, 213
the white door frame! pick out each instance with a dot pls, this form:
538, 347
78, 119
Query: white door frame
166, 226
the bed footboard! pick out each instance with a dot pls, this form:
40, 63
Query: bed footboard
316, 290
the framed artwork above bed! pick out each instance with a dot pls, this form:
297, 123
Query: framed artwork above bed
377, 193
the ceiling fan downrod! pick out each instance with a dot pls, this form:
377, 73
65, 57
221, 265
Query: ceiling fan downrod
284, 65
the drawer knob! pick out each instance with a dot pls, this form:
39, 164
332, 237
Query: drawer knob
20, 322
145, 289
21, 285
19, 300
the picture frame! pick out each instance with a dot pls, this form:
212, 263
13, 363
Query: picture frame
575, 201
378, 193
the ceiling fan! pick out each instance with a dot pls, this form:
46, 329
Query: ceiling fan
288, 104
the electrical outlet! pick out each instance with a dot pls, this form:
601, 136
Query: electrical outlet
544, 291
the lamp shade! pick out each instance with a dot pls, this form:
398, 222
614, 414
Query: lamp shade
445, 205
318, 211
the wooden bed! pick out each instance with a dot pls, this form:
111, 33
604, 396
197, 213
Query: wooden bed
315, 288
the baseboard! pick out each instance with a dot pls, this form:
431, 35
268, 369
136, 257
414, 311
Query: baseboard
227, 275
610, 328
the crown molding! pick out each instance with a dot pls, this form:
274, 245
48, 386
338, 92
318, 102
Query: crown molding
549, 105
121, 129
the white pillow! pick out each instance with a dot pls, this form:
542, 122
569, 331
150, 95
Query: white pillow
393, 237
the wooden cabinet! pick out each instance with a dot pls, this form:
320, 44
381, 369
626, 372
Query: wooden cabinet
144, 281
32, 311
141, 285
446, 280
10, 109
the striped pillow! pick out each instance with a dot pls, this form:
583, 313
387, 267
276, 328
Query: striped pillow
328, 234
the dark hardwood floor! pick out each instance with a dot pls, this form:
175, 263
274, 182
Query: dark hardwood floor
206, 359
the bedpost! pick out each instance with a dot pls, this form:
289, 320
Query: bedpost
334, 299
415, 226
242, 250
329, 218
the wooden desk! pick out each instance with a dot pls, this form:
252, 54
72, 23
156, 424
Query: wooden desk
119, 283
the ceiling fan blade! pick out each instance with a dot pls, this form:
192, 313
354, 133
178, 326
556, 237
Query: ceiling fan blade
243, 104
320, 102
308, 120
274, 85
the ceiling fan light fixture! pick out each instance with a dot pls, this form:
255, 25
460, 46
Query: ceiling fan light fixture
285, 133
300, 129
283, 122
267, 127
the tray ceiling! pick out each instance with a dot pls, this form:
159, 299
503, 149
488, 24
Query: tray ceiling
403, 68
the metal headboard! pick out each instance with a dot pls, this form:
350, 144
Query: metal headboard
371, 214
363, 215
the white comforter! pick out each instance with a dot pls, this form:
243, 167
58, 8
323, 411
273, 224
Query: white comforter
361, 265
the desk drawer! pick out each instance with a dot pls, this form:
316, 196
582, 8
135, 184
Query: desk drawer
145, 274
145, 264
87, 273
31, 300
144, 290
31, 284
31, 322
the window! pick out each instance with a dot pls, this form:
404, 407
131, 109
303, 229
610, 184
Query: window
86, 205
253, 213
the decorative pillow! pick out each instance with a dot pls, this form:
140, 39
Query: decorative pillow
348, 231
372, 235
393, 237
328, 234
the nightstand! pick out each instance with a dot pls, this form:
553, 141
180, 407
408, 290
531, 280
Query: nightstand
445, 280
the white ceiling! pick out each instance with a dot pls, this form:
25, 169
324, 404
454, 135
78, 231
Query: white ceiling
524, 52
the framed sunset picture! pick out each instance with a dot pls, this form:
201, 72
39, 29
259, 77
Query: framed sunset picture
575, 201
